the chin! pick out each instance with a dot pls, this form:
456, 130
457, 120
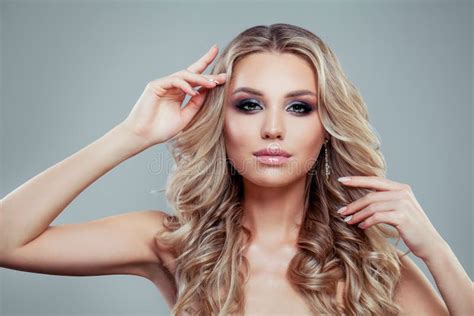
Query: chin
270, 178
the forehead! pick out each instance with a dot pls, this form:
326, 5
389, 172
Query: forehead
273, 72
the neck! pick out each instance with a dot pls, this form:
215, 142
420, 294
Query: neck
274, 214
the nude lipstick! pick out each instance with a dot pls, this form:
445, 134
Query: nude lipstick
272, 156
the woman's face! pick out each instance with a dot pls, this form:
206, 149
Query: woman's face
268, 119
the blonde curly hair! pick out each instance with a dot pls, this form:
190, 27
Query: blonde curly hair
205, 192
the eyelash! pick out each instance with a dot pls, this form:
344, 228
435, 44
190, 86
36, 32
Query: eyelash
306, 107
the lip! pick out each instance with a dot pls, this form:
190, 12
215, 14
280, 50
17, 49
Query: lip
272, 152
272, 156
272, 160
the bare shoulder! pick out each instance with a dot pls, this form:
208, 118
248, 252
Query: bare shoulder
154, 220
117, 244
414, 293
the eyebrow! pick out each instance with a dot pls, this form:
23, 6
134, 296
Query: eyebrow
291, 94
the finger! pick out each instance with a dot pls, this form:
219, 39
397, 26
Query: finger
174, 82
373, 182
201, 64
209, 81
390, 217
368, 199
193, 106
370, 210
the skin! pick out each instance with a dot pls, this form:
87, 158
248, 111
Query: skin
125, 243
273, 195
395, 204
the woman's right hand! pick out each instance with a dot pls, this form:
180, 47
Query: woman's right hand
157, 116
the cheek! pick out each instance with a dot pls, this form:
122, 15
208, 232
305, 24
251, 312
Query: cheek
307, 139
238, 135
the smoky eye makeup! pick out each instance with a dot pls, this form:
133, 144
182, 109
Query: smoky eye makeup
252, 105
247, 105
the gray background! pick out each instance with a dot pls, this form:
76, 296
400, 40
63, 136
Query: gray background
72, 70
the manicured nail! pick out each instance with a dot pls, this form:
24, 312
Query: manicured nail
342, 209
343, 179
212, 80
348, 218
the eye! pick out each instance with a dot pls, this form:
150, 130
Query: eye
301, 107
244, 105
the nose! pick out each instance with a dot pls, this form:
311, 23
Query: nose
272, 126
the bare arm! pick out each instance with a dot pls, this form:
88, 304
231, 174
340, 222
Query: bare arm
117, 244
416, 295
27, 211
121, 244
452, 281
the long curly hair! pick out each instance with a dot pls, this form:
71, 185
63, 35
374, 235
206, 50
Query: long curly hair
205, 193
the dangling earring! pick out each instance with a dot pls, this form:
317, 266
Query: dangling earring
326, 163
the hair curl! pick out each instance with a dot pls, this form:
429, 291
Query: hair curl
205, 192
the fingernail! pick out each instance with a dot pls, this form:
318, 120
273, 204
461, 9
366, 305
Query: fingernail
212, 80
342, 209
343, 179
348, 218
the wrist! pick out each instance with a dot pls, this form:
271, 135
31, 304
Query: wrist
130, 142
439, 250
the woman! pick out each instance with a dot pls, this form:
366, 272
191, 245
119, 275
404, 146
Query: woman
264, 223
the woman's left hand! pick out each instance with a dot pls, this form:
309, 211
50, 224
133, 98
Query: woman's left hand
393, 203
